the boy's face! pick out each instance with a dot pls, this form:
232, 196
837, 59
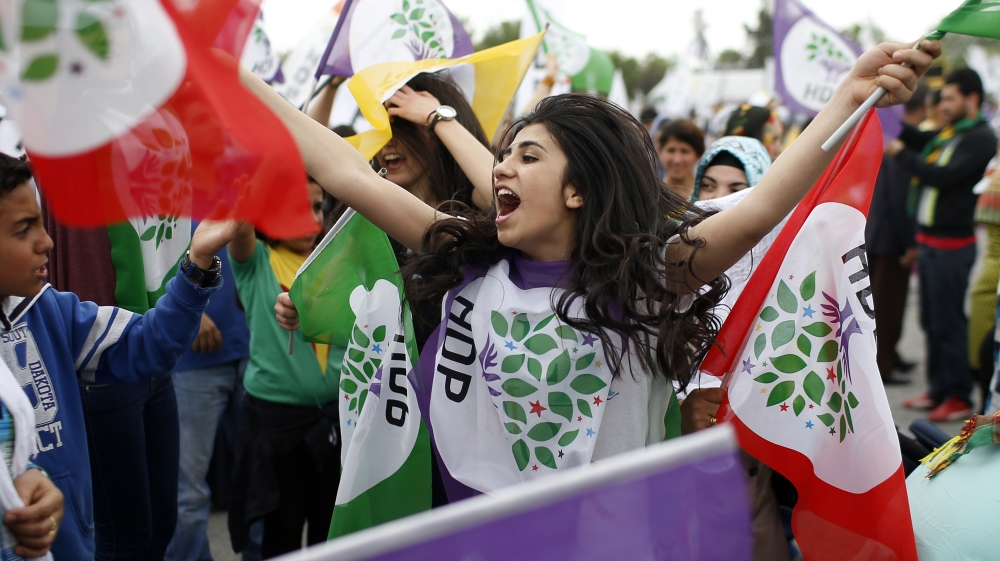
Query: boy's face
23, 243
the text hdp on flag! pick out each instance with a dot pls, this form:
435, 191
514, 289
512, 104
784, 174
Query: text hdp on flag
137, 115
805, 394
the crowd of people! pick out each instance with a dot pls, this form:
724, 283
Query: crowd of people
576, 194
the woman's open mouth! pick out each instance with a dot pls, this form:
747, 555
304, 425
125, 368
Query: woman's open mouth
507, 202
393, 161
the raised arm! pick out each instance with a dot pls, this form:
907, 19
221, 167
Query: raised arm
475, 159
731, 233
342, 172
322, 105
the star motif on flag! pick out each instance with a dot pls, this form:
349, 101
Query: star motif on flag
575, 350
534, 468
747, 367
810, 406
590, 432
348, 422
561, 454
832, 431
808, 312
830, 375
597, 400
599, 364
791, 277
347, 396
536, 408
784, 407
809, 424
763, 390
366, 326
377, 349
771, 295
119, 12
764, 364
76, 68
579, 418
588, 339
757, 328
511, 346
514, 313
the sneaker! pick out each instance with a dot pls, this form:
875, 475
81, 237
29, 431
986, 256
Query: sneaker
923, 403
952, 410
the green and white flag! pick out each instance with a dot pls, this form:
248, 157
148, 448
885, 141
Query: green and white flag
980, 18
146, 250
349, 293
589, 69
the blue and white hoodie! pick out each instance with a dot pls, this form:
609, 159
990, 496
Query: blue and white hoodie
53, 341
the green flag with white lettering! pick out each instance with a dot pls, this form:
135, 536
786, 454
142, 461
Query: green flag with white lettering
349, 293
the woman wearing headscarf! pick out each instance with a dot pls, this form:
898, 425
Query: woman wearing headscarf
731, 164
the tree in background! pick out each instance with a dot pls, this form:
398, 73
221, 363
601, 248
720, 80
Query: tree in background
640, 76
729, 58
504, 32
761, 40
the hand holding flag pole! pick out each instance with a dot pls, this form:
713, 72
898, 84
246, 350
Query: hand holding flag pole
832, 142
978, 18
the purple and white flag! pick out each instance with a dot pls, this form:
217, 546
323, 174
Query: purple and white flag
681, 499
811, 59
258, 55
376, 31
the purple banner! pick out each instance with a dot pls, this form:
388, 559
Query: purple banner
392, 31
811, 59
683, 499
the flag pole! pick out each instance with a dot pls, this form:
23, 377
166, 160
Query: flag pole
832, 142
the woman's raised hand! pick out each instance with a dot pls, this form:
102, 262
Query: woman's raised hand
412, 105
883, 66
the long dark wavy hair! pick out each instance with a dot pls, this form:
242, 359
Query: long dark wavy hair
624, 225
447, 180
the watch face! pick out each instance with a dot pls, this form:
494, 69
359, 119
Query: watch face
447, 112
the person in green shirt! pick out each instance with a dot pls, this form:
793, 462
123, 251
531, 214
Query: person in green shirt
287, 466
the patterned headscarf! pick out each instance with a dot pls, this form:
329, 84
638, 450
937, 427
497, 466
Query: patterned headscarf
749, 151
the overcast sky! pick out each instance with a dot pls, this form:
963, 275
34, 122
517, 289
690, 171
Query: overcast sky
637, 27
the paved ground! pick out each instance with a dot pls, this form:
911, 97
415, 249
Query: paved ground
911, 348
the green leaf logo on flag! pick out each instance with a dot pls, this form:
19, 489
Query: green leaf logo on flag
800, 365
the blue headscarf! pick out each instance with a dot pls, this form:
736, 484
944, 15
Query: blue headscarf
749, 151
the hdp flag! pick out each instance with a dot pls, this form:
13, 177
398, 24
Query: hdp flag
376, 31
258, 55
805, 395
349, 293
127, 112
980, 18
300, 64
810, 61
488, 79
588, 68
684, 499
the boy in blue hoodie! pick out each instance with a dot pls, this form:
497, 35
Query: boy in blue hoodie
50, 341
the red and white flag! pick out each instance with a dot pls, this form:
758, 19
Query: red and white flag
92, 84
804, 394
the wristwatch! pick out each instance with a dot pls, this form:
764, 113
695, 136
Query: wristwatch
199, 276
443, 113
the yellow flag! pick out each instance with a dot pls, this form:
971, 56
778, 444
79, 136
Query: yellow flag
497, 73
